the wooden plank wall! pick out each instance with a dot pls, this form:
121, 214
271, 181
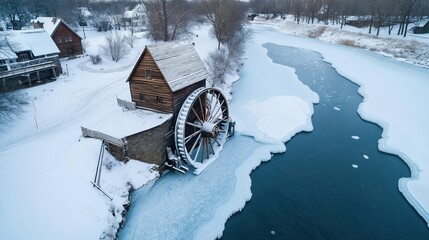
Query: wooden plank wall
181, 95
62, 31
152, 88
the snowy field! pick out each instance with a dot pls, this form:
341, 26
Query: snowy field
45, 170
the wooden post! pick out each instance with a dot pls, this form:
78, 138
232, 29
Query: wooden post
29, 80
38, 76
4, 84
55, 74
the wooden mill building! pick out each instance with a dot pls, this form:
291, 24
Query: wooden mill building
161, 80
164, 76
67, 40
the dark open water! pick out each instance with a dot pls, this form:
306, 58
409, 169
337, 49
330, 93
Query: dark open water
312, 191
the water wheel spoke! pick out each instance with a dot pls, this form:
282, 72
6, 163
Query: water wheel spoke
198, 150
188, 138
195, 144
202, 153
193, 125
220, 114
215, 139
201, 108
206, 107
220, 120
211, 146
217, 109
196, 115
207, 148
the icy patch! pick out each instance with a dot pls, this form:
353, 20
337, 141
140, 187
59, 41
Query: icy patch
356, 137
355, 166
337, 109
273, 232
278, 116
365, 156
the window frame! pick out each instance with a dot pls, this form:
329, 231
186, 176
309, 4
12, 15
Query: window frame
159, 99
148, 74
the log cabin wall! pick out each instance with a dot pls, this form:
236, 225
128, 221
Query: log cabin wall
67, 41
181, 95
153, 92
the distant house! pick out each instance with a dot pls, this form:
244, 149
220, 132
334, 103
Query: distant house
67, 40
135, 18
164, 75
422, 28
29, 55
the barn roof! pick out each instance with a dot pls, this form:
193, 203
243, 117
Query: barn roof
179, 63
50, 24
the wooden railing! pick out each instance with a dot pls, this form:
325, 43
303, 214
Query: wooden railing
27, 69
102, 136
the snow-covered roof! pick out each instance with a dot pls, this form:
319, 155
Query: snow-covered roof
179, 63
5, 51
49, 23
37, 41
122, 124
128, 14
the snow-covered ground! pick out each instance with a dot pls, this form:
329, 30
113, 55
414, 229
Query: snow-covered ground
45, 170
413, 49
46, 166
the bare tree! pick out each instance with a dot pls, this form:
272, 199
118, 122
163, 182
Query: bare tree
227, 17
219, 65
11, 105
130, 39
225, 60
115, 46
15, 11
168, 20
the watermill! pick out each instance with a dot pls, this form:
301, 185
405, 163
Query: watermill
170, 79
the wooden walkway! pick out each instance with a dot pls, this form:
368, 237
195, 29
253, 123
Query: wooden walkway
29, 69
102, 136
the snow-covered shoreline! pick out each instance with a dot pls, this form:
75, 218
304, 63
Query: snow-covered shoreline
414, 49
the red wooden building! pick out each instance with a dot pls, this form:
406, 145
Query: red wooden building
68, 41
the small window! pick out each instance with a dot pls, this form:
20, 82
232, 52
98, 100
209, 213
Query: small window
23, 57
148, 74
141, 96
60, 40
159, 99
70, 38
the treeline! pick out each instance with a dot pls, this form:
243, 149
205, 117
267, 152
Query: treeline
376, 13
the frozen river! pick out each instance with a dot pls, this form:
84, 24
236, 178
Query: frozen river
331, 183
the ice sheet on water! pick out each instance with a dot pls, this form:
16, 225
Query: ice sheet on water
180, 204
356, 137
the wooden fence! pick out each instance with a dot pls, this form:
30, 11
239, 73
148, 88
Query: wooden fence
102, 136
126, 104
